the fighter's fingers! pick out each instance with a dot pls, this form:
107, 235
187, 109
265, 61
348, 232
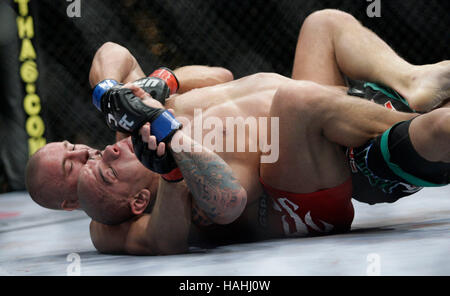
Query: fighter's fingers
161, 149
129, 85
144, 131
147, 99
171, 111
137, 91
152, 143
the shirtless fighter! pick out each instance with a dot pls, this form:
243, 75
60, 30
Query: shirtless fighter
315, 121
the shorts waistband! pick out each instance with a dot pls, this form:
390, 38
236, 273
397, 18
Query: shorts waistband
343, 189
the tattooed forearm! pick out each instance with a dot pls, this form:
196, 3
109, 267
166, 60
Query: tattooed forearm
212, 183
198, 217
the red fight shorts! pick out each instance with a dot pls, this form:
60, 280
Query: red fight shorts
322, 212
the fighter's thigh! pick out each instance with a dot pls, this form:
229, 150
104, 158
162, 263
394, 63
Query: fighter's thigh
307, 161
315, 56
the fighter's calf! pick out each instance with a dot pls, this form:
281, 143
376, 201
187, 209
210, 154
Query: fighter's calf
430, 135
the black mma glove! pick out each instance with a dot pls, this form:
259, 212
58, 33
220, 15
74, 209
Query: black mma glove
164, 165
160, 84
127, 113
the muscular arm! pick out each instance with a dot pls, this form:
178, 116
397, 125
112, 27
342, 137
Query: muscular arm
112, 61
195, 76
214, 186
165, 231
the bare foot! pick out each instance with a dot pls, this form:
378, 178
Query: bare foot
430, 87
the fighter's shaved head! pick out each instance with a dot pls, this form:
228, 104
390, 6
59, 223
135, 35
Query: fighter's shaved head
41, 182
52, 173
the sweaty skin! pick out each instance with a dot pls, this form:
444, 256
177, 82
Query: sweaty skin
247, 97
251, 96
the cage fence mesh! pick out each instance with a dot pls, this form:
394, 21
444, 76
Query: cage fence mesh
245, 36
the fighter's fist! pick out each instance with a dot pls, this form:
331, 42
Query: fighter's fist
160, 84
125, 112
154, 156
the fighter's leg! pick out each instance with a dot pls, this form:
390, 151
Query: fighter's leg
332, 42
307, 160
314, 120
310, 184
418, 150
315, 58
430, 135
409, 156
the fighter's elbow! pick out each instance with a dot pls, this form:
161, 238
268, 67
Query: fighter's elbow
108, 47
223, 75
105, 52
108, 52
233, 209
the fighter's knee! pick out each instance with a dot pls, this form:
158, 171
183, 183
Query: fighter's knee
327, 17
224, 75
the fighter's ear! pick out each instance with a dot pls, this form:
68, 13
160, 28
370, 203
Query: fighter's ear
140, 201
70, 205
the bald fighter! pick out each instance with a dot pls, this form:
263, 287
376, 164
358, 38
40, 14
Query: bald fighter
311, 164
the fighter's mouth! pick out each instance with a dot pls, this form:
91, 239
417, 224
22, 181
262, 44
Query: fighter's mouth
93, 153
130, 144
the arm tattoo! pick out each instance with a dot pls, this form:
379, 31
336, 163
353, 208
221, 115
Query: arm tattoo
198, 217
210, 180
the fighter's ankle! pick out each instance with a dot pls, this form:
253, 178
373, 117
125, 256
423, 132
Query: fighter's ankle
405, 80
